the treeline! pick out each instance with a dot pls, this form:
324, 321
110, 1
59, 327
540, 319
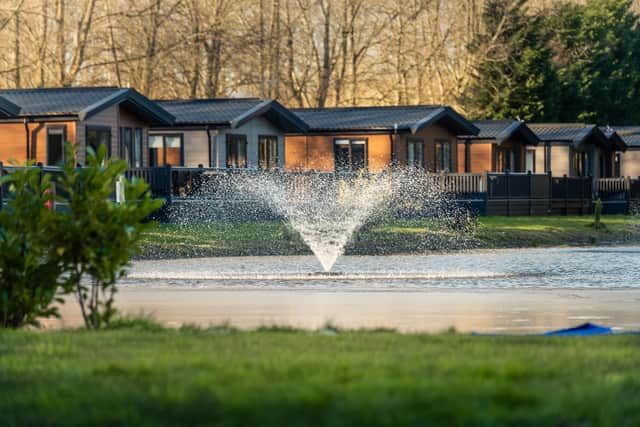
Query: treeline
537, 59
565, 63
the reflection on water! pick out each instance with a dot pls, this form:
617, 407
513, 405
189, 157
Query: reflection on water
522, 291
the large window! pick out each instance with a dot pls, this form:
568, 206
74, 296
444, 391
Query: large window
126, 144
268, 151
350, 155
97, 136
236, 151
55, 144
131, 146
165, 150
415, 153
443, 159
137, 148
505, 159
530, 160
580, 163
616, 164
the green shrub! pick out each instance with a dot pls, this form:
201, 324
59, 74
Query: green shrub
29, 270
96, 237
82, 249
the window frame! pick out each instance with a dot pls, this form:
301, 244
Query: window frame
63, 133
533, 151
98, 128
351, 142
585, 160
442, 142
415, 142
228, 138
135, 152
266, 137
164, 147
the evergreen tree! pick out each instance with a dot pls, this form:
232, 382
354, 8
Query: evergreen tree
597, 54
515, 77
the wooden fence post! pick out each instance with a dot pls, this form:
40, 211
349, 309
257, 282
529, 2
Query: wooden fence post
169, 184
550, 196
530, 192
1, 187
508, 176
566, 194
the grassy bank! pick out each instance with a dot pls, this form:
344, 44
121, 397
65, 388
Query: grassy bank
394, 237
270, 378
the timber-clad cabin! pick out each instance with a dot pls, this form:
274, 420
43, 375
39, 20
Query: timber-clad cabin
629, 161
576, 149
35, 123
224, 133
373, 138
500, 146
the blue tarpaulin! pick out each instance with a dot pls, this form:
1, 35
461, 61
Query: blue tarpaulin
584, 329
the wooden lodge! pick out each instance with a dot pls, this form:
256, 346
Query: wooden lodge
374, 138
224, 133
36, 123
500, 146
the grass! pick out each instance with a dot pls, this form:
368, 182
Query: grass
391, 237
278, 377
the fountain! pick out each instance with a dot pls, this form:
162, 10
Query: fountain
326, 209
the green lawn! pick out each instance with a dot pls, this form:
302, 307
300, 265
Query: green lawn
408, 236
269, 378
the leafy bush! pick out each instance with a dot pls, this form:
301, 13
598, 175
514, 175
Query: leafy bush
29, 270
82, 249
96, 237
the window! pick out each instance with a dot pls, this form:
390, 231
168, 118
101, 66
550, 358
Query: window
530, 160
443, 156
236, 151
126, 144
616, 164
505, 159
350, 155
415, 153
131, 146
55, 144
581, 163
165, 150
268, 151
97, 136
547, 157
137, 148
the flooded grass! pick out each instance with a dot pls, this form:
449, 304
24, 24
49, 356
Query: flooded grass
281, 376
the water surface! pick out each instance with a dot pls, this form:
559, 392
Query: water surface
521, 291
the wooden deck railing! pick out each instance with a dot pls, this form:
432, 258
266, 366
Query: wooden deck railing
509, 190
613, 185
461, 183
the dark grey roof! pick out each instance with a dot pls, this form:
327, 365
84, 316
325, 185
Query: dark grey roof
8, 108
83, 102
402, 118
502, 130
572, 133
232, 112
629, 134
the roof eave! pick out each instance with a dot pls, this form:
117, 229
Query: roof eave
263, 108
8, 108
149, 107
518, 127
464, 126
618, 141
